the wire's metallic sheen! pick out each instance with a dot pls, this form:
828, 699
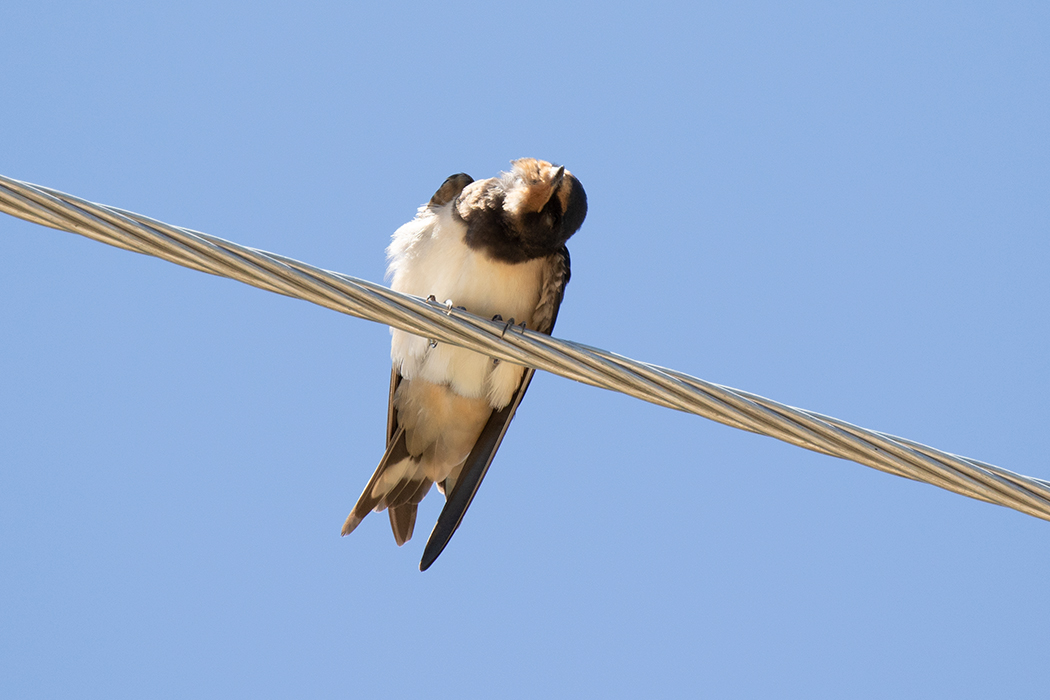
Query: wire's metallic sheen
658, 385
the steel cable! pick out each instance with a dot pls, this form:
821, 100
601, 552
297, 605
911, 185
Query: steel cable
664, 387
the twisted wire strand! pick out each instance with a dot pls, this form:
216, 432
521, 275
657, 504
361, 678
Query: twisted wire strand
658, 385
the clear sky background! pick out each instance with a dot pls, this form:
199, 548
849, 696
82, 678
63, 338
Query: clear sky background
844, 207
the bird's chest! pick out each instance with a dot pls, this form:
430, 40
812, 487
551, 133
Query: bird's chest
431, 258
443, 265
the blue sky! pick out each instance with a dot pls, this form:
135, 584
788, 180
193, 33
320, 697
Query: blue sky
843, 207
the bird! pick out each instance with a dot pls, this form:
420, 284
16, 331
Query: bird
495, 248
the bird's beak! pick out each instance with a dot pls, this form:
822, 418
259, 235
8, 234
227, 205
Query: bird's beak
559, 174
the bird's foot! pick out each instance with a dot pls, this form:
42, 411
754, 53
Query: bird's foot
507, 325
449, 305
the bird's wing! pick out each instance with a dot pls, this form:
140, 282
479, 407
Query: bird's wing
403, 514
449, 189
370, 499
480, 457
552, 292
391, 414
402, 500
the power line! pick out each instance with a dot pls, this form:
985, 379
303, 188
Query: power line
665, 387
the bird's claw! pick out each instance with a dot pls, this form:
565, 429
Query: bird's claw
449, 306
507, 325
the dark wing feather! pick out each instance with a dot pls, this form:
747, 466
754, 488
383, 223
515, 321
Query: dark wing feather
391, 414
396, 451
450, 189
474, 470
480, 457
402, 502
553, 291
402, 522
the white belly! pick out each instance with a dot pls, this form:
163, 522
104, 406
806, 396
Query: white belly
428, 256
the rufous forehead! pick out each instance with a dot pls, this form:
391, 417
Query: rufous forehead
537, 175
531, 170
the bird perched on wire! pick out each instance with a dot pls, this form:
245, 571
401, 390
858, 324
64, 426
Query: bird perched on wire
495, 247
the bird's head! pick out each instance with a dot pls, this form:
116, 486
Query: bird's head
526, 213
545, 203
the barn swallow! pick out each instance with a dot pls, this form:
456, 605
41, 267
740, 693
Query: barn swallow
495, 247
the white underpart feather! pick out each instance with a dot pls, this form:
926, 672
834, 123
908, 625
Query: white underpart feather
428, 255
